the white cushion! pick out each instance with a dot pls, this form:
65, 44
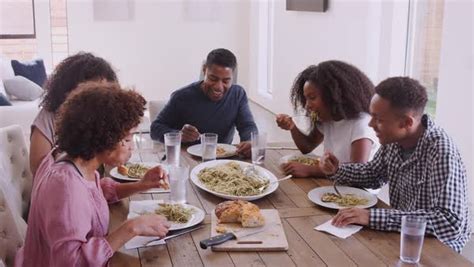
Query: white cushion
22, 88
2, 89
6, 69
6, 72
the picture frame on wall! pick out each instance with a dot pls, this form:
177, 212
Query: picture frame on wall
307, 5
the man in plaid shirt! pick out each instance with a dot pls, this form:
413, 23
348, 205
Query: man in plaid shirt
420, 162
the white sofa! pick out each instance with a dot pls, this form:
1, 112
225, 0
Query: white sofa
21, 112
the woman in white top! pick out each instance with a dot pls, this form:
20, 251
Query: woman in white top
72, 71
336, 95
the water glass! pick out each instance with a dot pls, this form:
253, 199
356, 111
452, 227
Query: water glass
172, 147
259, 143
144, 145
159, 149
412, 235
178, 176
208, 146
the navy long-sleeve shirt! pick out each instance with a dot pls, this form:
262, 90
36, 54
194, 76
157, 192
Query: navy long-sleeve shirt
189, 105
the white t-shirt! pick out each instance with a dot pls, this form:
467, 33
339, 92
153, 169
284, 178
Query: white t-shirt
339, 135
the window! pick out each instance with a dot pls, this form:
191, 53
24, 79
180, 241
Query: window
424, 46
22, 41
265, 47
17, 19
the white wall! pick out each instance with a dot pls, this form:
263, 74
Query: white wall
454, 107
364, 33
162, 47
43, 32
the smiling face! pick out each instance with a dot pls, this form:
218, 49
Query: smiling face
314, 101
389, 125
217, 81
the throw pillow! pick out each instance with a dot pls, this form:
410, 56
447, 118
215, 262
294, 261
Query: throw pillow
6, 72
2, 88
4, 100
22, 88
33, 70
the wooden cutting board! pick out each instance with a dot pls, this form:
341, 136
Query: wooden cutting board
273, 238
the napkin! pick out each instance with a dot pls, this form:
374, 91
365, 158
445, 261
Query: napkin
139, 207
135, 209
140, 241
342, 232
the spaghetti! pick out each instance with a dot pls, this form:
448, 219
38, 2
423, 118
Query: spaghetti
347, 200
230, 179
175, 212
305, 160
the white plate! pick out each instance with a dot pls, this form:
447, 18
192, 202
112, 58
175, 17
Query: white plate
139, 207
316, 194
287, 158
114, 173
262, 171
231, 150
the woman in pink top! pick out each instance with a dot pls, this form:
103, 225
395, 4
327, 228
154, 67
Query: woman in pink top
72, 71
69, 217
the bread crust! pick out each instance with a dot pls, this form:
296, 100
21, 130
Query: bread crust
239, 211
123, 170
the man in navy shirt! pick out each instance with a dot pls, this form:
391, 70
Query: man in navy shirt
214, 105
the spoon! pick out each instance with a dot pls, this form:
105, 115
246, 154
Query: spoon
274, 182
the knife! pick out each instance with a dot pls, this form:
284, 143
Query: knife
178, 233
219, 239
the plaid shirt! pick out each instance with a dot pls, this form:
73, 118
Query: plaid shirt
432, 183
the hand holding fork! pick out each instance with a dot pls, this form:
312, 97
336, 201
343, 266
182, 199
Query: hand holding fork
329, 165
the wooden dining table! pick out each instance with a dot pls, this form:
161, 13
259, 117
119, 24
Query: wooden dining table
307, 247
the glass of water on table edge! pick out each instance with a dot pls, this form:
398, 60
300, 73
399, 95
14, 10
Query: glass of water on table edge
172, 147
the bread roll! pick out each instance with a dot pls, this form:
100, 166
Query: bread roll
229, 211
238, 211
251, 216
123, 170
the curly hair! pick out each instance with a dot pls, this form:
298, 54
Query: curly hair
403, 93
72, 71
96, 117
346, 90
221, 57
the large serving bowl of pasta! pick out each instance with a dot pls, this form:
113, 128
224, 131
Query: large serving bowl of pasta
233, 179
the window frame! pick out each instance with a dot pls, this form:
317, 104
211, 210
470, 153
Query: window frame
23, 36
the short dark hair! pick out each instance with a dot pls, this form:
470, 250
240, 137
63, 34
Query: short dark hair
221, 57
403, 93
72, 71
345, 90
96, 117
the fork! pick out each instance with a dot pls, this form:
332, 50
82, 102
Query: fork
335, 188
274, 182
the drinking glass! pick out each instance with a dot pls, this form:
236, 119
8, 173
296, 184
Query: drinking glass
412, 235
159, 149
172, 147
178, 176
259, 143
208, 146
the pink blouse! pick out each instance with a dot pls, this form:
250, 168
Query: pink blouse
68, 218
